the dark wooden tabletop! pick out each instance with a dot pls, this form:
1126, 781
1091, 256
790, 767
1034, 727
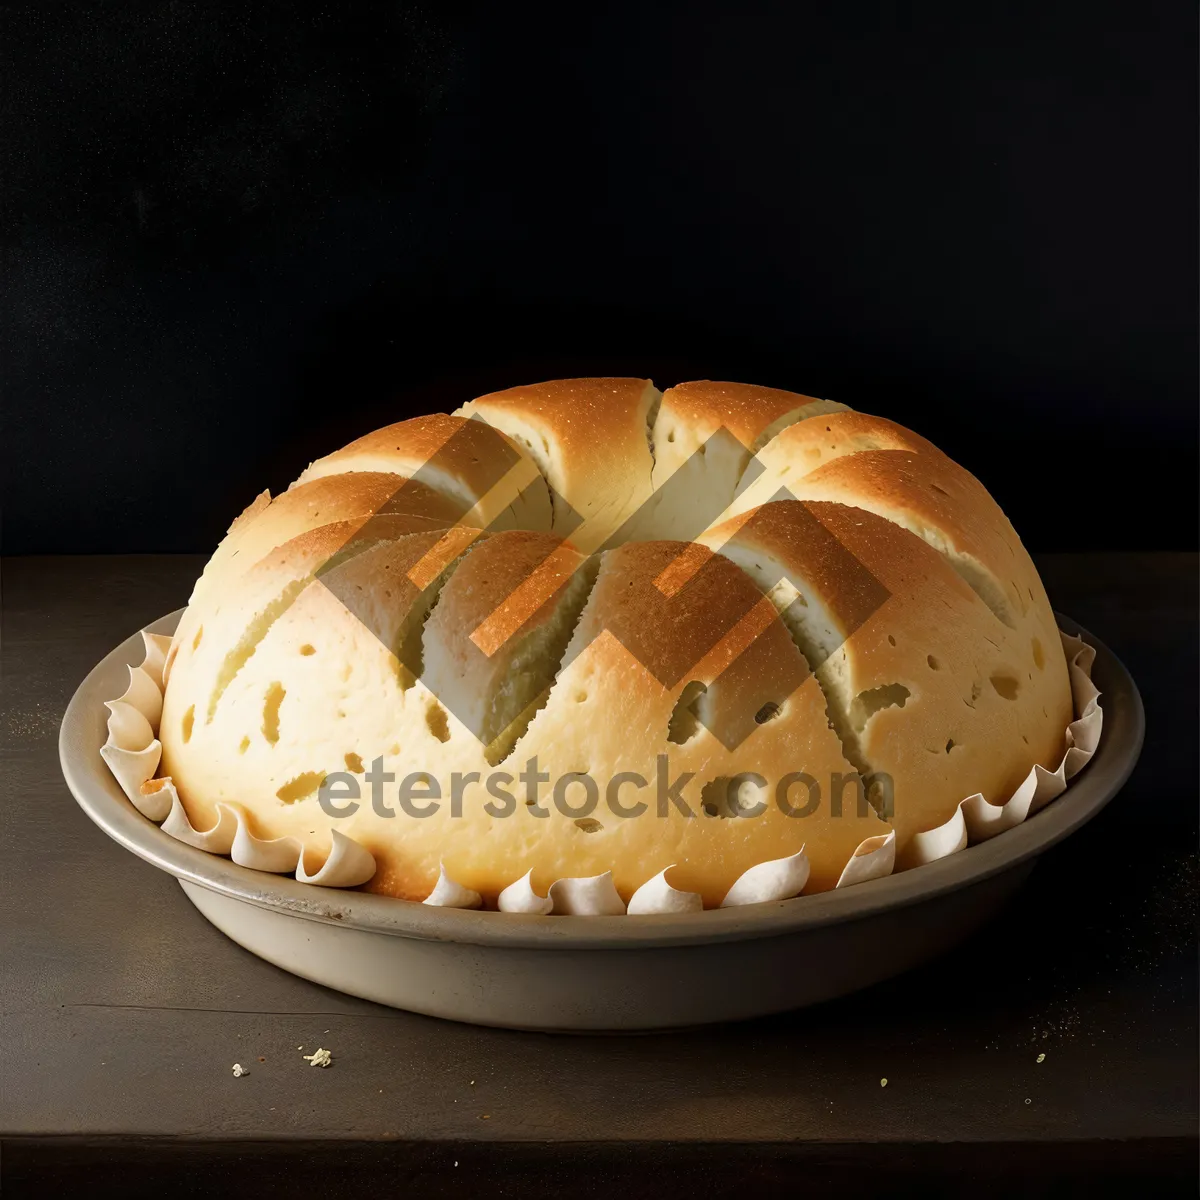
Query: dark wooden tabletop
122, 1011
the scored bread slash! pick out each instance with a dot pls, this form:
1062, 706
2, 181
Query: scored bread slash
680, 571
462, 460
589, 439
539, 588
453, 543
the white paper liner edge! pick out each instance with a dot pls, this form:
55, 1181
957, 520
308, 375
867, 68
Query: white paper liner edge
778, 879
873, 858
133, 752
448, 894
520, 897
658, 896
595, 896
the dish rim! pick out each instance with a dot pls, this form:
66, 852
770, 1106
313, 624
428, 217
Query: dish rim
83, 732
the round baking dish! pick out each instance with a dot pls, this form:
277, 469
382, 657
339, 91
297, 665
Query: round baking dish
600, 973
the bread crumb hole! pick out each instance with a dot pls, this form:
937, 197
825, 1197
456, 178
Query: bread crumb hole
244, 745
307, 649
189, 719
891, 640
714, 797
684, 723
580, 697
354, 763
718, 799
768, 712
436, 723
949, 745
196, 639
934, 665
270, 718
867, 704
1006, 686
588, 824
1039, 655
301, 786
671, 436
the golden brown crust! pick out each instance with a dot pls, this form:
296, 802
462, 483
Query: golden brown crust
704, 406
590, 438
469, 462
704, 436
928, 492
407, 446
506, 583
581, 415
336, 498
805, 446
669, 604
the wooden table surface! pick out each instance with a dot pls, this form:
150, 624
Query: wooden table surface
123, 1011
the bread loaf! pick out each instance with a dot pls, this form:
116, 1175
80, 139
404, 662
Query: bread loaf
582, 627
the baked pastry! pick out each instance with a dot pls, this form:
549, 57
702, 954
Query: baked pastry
584, 627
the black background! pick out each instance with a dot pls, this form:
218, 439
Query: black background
237, 236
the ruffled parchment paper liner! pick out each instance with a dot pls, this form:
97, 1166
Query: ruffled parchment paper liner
133, 753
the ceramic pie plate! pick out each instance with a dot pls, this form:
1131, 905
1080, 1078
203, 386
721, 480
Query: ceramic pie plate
567, 973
